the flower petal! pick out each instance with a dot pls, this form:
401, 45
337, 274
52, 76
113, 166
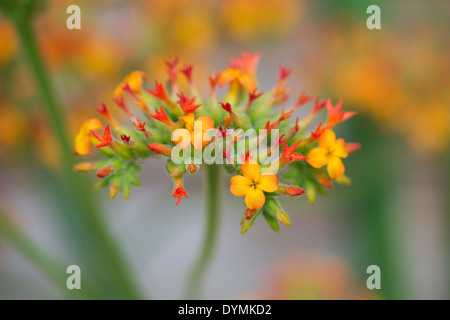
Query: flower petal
340, 150
328, 140
255, 198
239, 185
251, 171
335, 167
317, 157
82, 141
268, 182
203, 123
189, 121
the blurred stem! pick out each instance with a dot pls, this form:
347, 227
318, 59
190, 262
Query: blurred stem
111, 265
213, 184
446, 167
46, 264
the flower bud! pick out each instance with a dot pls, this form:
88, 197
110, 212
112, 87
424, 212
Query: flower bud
84, 166
160, 149
290, 190
275, 208
104, 172
192, 168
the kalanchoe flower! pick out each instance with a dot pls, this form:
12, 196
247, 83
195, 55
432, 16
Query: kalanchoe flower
178, 191
164, 121
330, 152
82, 139
335, 115
105, 140
125, 138
187, 71
196, 133
186, 104
288, 155
161, 115
285, 73
252, 185
133, 84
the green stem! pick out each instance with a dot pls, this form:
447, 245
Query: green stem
213, 184
116, 280
46, 264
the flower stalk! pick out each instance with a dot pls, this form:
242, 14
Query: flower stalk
213, 192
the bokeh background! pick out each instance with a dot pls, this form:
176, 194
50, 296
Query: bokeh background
395, 214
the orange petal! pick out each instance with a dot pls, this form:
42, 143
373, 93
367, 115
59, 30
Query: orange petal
254, 199
251, 171
203, 123
135, 80
328, 140
335, 167
317, 157
340, 150
239, 186
268, 182
81, 144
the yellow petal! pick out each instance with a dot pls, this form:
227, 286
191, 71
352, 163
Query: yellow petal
318, 157
335, 167
254, 199
328, 140
340, 149
81, 143
189, 121
251, 171
135, 80
239, 186
268, 182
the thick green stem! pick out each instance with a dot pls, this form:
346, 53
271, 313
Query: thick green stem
213, 186
112, 269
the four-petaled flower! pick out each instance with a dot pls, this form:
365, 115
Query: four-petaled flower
329, 153
196, 132
252, 185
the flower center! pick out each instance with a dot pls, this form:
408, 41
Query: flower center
254, 184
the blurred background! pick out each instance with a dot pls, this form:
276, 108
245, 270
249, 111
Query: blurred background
395, 214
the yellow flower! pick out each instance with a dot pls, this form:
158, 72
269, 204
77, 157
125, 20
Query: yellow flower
252, 184
195, 128
82, 139
329, 153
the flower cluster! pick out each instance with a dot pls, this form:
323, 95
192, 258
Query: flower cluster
168, 121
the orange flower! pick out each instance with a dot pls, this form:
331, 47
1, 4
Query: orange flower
197, 128
132, 82
242, 71
252, 184
329, 153
82, 139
